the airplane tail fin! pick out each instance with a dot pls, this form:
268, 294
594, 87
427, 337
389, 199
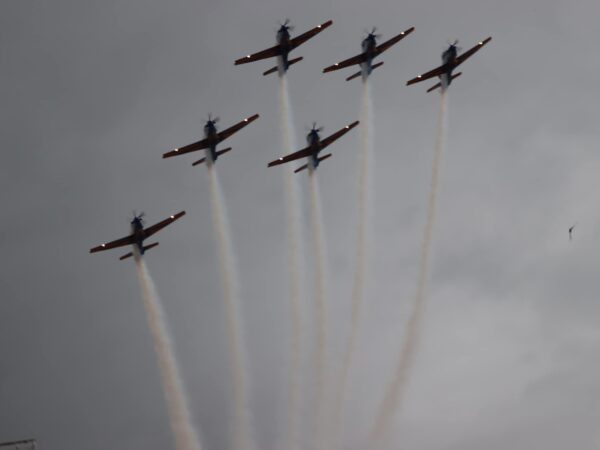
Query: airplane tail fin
276, 68
305, 166
359, 73
433, 88
146, 247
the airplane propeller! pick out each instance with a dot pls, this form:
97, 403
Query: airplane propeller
314, 127
286, 25
137, 216
373, 33
454, 44
215, 120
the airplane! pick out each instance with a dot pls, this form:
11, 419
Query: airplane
370, 50
315, 145
138, 235
450, 61
285, 44
211, 140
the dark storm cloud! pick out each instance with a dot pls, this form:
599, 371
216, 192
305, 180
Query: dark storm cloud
94, 92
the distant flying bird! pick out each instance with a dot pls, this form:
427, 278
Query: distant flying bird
571, 232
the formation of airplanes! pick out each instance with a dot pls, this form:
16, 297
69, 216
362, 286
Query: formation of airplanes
451, 59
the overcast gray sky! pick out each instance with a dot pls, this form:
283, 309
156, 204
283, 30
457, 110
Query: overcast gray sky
94, 92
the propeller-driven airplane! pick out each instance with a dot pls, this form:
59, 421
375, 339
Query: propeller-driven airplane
315, 145
138, 235
285, 44
211, 140
370, 50
450, 61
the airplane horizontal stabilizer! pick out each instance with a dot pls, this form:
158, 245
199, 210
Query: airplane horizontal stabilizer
354, 75
200, 161
432, 88
359, 73
300, 169
271, 70
305, 166
276, 68
225, 150
148, 247
322, 158
295, 60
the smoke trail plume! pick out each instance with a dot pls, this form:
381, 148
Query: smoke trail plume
393, 396
242, 437
179, 415
293, 237
362, 257
320, 310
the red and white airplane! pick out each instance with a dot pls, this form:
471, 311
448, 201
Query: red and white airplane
450, 61
370, 50
285, 44
315, 146
138, 235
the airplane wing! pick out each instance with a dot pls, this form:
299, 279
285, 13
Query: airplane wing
268, 53
114, 244
305, 152
426, 76
387, 44
237, 127
463, 57
160, 225
335, 136
187, 149
301, 39
346, 63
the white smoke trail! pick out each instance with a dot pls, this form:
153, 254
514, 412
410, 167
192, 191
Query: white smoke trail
292, 195
393, 396
362, 256
242, 436
320, 311
186, 437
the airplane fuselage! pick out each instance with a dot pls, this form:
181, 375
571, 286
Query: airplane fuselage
283, 40
137, 229
210, 133
449, 59
369, 44
314, 142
